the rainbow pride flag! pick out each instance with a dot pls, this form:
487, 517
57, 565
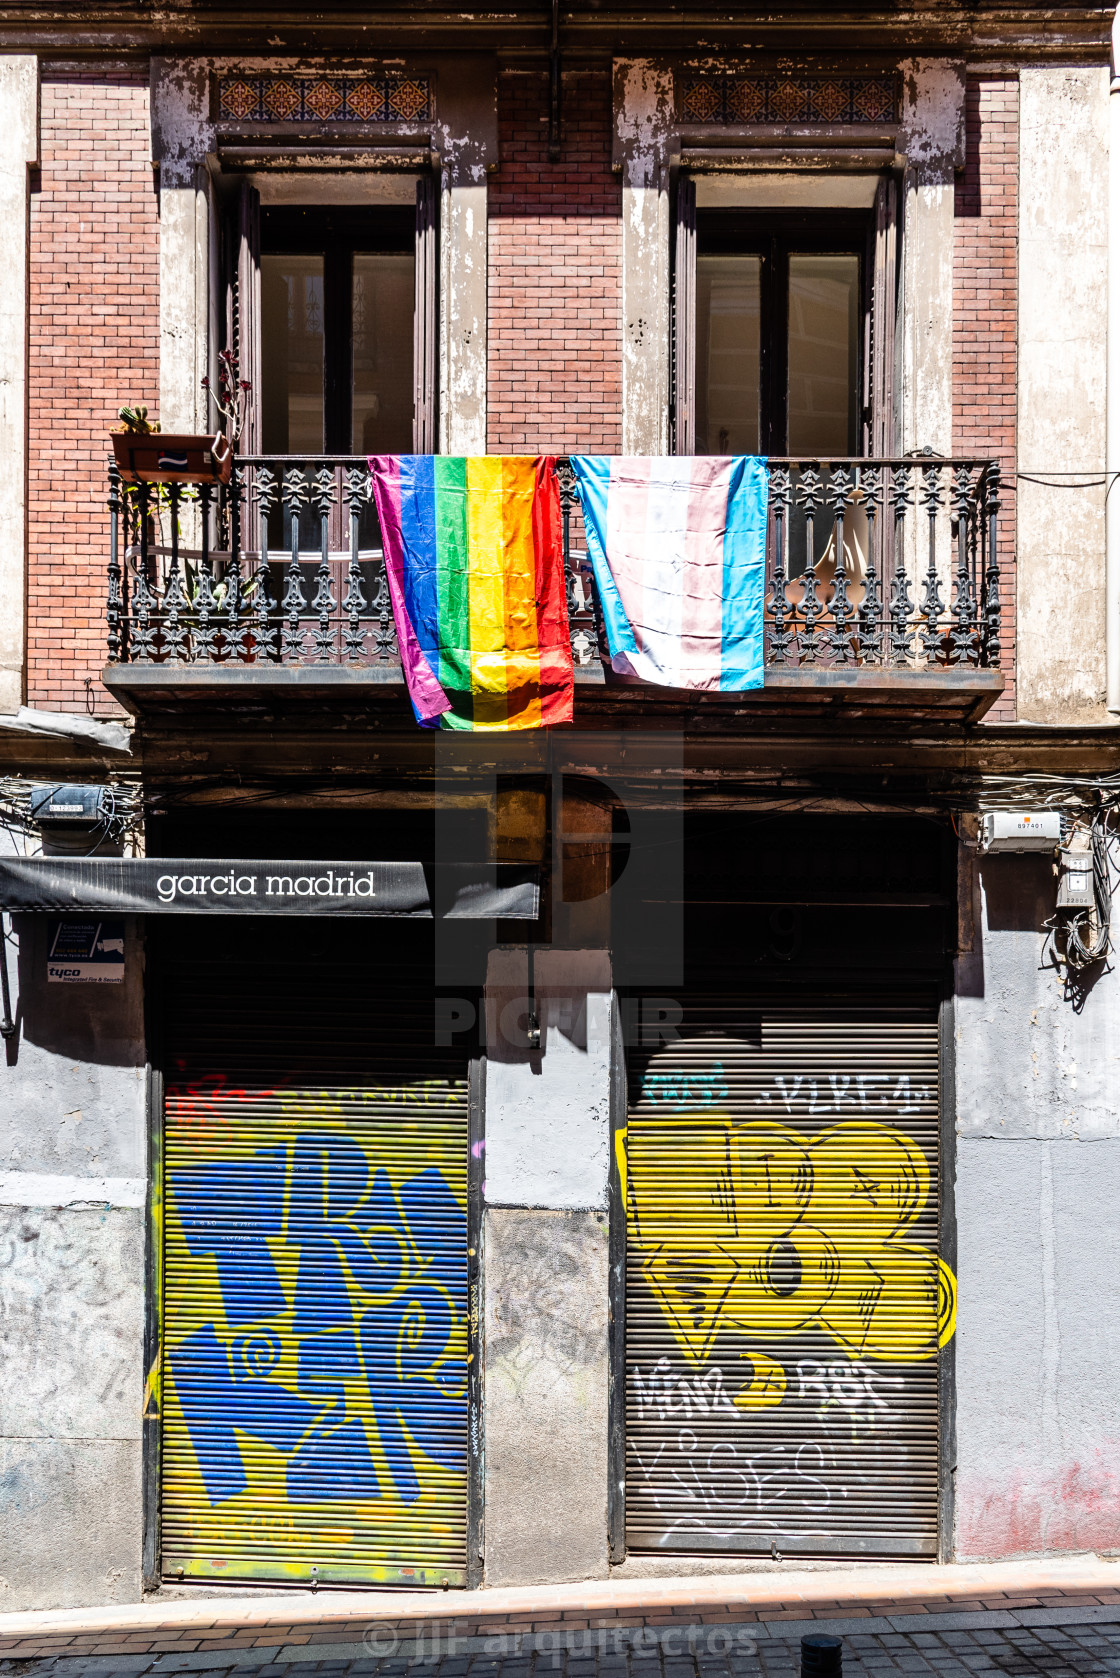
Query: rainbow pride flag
475, 562
678, 552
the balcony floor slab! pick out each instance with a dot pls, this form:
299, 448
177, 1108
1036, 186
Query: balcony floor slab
954, 696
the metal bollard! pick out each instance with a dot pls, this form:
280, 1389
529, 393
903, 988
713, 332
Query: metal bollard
821, 1656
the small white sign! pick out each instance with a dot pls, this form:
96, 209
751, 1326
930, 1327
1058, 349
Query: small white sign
89, 952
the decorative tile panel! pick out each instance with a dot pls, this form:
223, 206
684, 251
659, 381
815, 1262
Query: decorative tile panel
782, 99
323, 98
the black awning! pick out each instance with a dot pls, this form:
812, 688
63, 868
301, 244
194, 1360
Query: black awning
217, 886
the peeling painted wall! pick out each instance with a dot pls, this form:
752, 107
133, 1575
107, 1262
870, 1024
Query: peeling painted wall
1063, 285
467, 100
182, 135
1038, 1230
73, 1168
932, 140
644, 115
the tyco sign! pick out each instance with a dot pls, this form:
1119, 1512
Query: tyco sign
85, 952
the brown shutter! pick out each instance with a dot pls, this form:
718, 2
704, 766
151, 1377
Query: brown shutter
880, 438
243, 304
684, 320
424, 319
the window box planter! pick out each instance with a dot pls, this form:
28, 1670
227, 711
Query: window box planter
171, 457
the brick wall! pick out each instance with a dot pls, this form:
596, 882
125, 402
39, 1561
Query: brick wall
985, 306
93, 344
555, 341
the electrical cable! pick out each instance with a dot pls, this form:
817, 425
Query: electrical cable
7, 1023
1084, 946
1047, 482
118, 817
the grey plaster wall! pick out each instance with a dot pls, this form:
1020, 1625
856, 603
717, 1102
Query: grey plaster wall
1038, 1229
1034, 1064
1063, 318
545, 1355
545, 1276
548, 1115
72, 1244
72, 1083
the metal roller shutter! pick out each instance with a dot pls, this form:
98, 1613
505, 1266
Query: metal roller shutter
784, 1295
312, 1378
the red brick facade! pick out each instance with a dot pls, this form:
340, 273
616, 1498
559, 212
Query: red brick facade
555, 340
93, 344
985, 307
555, 276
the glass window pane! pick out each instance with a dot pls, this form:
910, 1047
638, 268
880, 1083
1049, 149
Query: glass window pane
823, 355
382, 339
728, 290
292, 354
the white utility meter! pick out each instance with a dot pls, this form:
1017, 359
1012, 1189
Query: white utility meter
1021, 830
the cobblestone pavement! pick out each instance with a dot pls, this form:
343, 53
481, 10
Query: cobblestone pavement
1055, 1617
1069, 1651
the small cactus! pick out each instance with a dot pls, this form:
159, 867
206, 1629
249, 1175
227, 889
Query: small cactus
136, 419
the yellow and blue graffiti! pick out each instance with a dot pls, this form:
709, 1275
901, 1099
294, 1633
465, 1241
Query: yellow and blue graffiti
315, 1335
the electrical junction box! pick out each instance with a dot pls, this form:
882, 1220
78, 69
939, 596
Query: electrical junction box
1075, 880
1016, 831
68, 804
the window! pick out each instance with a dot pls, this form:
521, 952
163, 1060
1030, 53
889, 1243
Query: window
292, 401
778, 334
332, 315
784, 328
338, 293
728, 353
823, 406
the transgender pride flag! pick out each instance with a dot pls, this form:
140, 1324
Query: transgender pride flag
678, 548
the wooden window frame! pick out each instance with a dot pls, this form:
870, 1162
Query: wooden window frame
337, 231
775, 236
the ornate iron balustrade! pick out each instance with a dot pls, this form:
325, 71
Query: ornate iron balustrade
919, 584
284, 566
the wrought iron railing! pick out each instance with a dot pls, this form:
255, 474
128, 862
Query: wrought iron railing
868, 562
920, 582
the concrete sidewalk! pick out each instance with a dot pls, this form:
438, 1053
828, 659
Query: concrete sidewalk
678, 1616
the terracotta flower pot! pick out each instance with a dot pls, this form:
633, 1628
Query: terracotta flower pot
171, 457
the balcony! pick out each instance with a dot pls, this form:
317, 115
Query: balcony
272, 591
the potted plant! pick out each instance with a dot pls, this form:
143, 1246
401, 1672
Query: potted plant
147, 454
